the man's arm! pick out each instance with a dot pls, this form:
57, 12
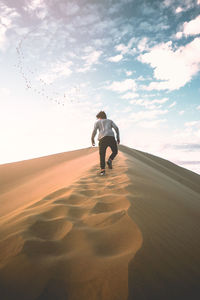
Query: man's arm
94, 133
117, 131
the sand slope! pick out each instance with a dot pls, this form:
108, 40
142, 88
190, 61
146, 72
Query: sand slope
165, 204
67, 233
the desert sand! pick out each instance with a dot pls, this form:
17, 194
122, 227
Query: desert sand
68, 233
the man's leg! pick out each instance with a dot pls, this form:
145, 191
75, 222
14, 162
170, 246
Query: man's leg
113, 146
102, 152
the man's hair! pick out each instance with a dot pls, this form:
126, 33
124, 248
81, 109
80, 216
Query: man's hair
101, 115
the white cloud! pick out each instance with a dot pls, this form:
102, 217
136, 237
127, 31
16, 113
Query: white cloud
192, 27
93, 57
167, 2
129, 73
198, 107
141, 78
151, 124
122, 86
69, 8
142, 45
3, 30
122, 48
90, 59
130, 95
198, 2
126, 49
172, 67
150, 104
160, 101
181, 112
55, 71
185, 5
7, 17
189, 28
63, 69
126, 109
34, 4
172, 104
38, 7
178, 10
192, 124
179, 34
147, 114
115, 58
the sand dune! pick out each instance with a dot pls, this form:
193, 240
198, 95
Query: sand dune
67, 233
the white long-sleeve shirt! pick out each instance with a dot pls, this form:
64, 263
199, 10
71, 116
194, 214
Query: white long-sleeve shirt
105, 129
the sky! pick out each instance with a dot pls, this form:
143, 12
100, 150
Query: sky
64, 61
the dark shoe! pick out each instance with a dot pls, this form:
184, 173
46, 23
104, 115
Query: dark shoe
109, 163
102, 172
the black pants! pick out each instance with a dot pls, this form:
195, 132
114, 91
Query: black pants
107, 141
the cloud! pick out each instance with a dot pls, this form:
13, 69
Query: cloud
188, 162
178, 146
127, 109
69, 8
178, 10
130, 95
198, 107
129, 73
142, 45
150, 104
192, 124
181, 112
186, 147
115, 58
179, 35
190, 28
34, 4
2, 35
126, 49
168, 3
90, 59
7, 18
151, 124
147, 114
38, 7
141, 78
122, 86
55, 71
172, 67
172, 104
185, 5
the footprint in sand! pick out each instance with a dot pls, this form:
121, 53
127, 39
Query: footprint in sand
50, 229
57, 193
46, 237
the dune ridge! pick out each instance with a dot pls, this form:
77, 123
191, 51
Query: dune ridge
74, 243
71, 234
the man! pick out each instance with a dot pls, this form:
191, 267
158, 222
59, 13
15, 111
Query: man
106, 138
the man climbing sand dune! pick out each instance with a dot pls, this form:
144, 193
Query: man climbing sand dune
106, 139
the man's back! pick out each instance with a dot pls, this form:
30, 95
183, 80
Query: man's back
105, 128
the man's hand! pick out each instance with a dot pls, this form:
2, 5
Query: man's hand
93, 143
118, 141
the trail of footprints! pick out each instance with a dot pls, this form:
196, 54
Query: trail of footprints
86, 214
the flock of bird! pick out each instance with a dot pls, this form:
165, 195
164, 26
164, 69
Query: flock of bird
43, 88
